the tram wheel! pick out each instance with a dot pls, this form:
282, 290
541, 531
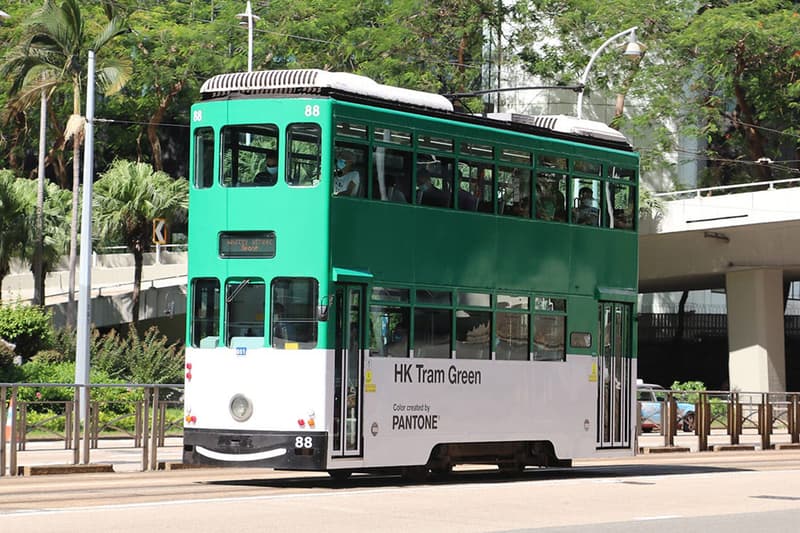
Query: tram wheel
415, 474
340, 475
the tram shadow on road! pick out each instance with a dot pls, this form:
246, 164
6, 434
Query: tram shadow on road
473, 475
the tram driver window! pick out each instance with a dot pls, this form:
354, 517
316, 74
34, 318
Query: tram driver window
205, 313
293, 318
250, 156
244, 303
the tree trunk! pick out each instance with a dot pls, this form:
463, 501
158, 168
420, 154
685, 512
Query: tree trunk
73, 230
752, 137
155, 120
138, 260
681, 317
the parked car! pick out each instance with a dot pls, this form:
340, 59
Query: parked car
651, 399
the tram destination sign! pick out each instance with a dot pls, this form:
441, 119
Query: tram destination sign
233, 244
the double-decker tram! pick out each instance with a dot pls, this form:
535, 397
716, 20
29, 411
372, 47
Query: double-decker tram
378, 282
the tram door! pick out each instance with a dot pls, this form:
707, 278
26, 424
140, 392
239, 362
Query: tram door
614, 380
349, 303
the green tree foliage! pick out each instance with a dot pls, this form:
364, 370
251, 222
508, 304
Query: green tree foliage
722, 71
126, 200
13, 223
30, 328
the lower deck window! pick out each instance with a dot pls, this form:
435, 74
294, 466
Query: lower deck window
432, 329
549, 338
389, 327
293, 322
245, 309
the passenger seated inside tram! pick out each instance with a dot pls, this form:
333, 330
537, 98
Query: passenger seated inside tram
268, 176
428, 193
586, 213
346, 179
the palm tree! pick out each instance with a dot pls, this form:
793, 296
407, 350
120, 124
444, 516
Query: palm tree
13, 224
54, 235
53, 53
127, 197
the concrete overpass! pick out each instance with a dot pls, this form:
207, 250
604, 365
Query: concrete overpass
745, 242
163, 289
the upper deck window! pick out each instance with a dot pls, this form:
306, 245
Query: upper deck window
587, 167
622, 173
348, 129
392, 136
250, 155
439, 144
519, 157
303, 159
203, 158
483, 151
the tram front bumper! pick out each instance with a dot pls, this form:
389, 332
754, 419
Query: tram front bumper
271, 449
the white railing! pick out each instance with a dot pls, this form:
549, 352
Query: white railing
709, 191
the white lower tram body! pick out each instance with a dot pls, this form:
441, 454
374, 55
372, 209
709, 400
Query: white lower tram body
406, 412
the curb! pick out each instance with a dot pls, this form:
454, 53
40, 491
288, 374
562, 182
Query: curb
63, 469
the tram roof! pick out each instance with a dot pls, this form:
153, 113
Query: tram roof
355, 88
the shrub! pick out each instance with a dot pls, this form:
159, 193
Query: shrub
30, 328
49, 357
6, 356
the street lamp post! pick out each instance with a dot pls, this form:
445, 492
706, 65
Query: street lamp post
246, 19
633, 49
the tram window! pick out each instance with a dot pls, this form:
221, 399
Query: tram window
434, 181
514, 192
549, 338
551, 197
483, 151
250, 156
392, 136
205, 313
350, 170
432, 332
586, 202
553, 162
474, 299
476, 186
519, 157
391, 175
587, 167
430, 297
621, 201
244, 304
505, 301
622, 173
303, 160
512, 336
545, 303
439, 144
389, 327
473, 334
348, 129
293, 321
390, 294
203, 158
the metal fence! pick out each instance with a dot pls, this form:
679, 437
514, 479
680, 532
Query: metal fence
79, 416
713, 419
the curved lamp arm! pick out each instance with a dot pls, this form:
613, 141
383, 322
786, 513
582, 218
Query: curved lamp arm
596, 53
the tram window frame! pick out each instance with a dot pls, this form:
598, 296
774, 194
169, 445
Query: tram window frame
391, 136
620, 214
549, 313
435, 143
518, 202
240, 293
397, 178
345, 128
361, 164
291, 314
297, 162
232, 160
473, 315
472, 197
397, 323
204, 156
622, 173
586, 215
205, 317
512, 312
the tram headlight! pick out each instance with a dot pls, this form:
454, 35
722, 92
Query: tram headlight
241, 408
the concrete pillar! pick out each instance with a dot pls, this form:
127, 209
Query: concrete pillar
757, 361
